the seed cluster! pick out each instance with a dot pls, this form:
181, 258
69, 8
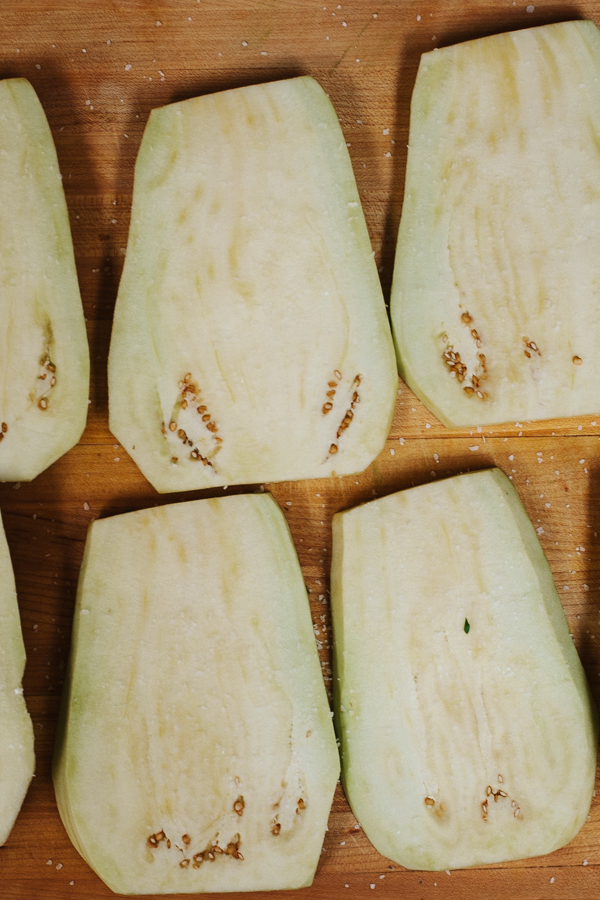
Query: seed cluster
459, 370
431, 803
530, 348
210, 853
490, 792
276, 824
190, 397
48, 377
349, 414
332, 385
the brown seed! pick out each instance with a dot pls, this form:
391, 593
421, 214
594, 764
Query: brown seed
239, 806
184, 863
186, 839
527, 354
338, 374
489, 790
4, 427
276, 828
469, 390
212, 426
301, 803
44, 376
168, 844
198, 858
332, 384
43, 404
327, 407
237, 855
501, 794
206, 418
181, 434
174, 459
218, 849
429, 801
172, 426
201, 409
187, 378
500, 779
577, 360
1, 436
333, 449
152, 841
466, 318
50, 367
331, 394
184, 404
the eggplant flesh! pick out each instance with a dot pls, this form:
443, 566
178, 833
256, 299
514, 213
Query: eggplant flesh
495, 299
44, 358
467, 731
250, 340
17, 761
196, 751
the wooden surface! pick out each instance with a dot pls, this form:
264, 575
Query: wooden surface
99, 67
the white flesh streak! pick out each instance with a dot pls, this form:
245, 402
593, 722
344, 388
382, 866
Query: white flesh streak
249, 269
195, 683
461, 744
498, 258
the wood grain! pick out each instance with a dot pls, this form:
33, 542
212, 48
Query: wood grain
99, 67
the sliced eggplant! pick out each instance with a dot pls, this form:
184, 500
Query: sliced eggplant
17, 760
496, 293
250, 340
467, 731
44, 358
197, 750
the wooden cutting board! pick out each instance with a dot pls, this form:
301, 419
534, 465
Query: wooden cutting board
99, 67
